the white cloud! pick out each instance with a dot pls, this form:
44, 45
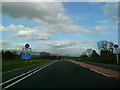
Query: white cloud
50, 15
111, 8
62, 47
32, 35
12, 28
60, 0
20, 31
103, 21
53, 20
73, 48
67, 43
46, 32
31, 0
42, 32
5, 44
67, 28
42, 13
115, 19
100, 28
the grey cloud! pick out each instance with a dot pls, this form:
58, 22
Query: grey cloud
5, 44
111, 8
12, 28
42, 13
67, 43
50, 15
32, 35
115, 19
42, 32
67, 28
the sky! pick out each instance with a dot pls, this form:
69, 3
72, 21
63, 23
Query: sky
63, 28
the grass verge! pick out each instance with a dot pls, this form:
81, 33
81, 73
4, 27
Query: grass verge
8, 65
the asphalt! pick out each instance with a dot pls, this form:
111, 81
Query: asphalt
13, 73
64, 74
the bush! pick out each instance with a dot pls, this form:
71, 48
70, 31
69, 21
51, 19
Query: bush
9, 54
104, 60
83, 56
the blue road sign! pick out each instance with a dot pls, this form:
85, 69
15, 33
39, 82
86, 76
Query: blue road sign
26, 56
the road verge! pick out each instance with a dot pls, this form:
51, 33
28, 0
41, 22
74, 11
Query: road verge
103, 71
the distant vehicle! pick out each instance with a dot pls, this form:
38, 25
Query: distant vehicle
78, 59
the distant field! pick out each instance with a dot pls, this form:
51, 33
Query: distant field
8, 65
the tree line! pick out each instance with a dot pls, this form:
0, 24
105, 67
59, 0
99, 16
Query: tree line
14, 55
9, 54
106, 53
102, 46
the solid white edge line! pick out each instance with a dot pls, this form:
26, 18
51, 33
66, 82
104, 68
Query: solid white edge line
25, 76
99, 72
93, 70
17, 76
28, 75
18, 69
21, 79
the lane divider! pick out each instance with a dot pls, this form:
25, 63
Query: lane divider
18, 69
21, 77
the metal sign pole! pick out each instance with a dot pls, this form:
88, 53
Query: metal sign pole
116, 46
117, 57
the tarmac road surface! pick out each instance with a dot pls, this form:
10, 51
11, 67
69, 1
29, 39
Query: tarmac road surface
62, 74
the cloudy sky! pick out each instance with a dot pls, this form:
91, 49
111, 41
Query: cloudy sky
65, 28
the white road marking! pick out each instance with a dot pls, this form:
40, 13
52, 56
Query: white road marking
17, 69
17, 76
83, 66
22, 78
93, 70
25, 76
99, 72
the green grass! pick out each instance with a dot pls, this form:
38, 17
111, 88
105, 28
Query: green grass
14, 64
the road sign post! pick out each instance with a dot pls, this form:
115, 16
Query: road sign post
116, 46
26, 53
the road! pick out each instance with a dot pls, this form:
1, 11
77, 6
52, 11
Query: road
63, 74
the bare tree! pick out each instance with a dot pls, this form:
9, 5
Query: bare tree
110, 46
89, 52
105, 45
